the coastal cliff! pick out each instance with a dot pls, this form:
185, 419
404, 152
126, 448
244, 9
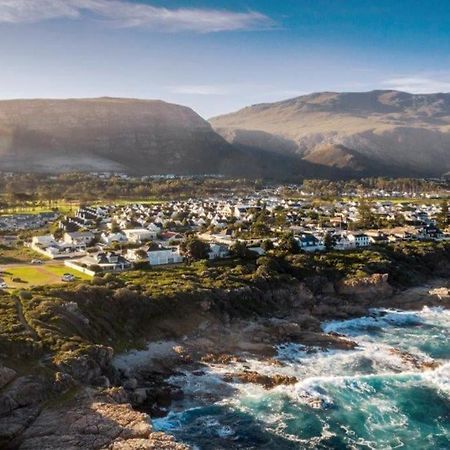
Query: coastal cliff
77, 360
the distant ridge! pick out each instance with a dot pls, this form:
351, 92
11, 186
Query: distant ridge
328, 135
382, 131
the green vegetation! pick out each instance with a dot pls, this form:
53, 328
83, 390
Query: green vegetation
194, 248
66, 192
17, 254
124, 310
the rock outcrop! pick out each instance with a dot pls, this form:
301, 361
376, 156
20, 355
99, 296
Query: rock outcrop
370, 287
267, 381
95, 421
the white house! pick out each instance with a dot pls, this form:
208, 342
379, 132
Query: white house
359, 239
154, 228
162, 256
112, 238
343, 242
218, 251
140, 234
258, 250
48, 246
43, 241
79, 238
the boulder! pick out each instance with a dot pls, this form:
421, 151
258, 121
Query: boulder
6, 376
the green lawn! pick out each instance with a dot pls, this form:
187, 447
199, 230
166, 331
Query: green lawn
63, 206
67, 207
38, 275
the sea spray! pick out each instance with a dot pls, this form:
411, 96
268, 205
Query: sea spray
391, 391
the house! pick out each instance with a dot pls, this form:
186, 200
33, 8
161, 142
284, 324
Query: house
112, 262
138, 235
79, 238
342, 242
377, 237
43, 241
257, 249
359, 239
162, 256
112, 238
48, 246
218, 251
154, 228
309, 243
171, 236
429, 232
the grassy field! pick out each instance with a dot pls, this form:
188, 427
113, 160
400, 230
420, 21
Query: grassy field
37, 275
67, 207
63, 206
18, 255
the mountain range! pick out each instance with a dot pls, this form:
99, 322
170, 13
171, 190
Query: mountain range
328, 134
370, 133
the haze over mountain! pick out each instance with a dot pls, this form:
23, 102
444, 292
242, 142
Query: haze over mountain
319, 135
106, 134
377, 132
140, 137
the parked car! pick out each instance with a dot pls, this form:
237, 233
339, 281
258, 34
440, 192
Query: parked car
3, 285
68, 277
36, 261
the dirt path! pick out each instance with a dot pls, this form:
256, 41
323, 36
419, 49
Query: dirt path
22, 319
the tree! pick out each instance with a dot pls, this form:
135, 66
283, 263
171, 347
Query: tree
114, 226
443, 217
141, 254
267, 245
240, 250
329, 241
194, 248
366, 217
288, 244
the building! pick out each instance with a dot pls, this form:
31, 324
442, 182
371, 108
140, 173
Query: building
138, 235
309, 243
359, 239
218, 251
79, 238
162, 256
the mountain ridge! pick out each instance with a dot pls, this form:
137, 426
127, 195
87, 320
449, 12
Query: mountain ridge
408, 132
325, 134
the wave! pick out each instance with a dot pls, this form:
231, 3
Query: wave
391, 391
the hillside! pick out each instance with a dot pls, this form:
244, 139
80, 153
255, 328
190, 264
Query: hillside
139, 137
387, 132
136, 136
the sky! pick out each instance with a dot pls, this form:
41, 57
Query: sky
219, 56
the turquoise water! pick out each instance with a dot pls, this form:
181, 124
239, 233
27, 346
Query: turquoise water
374, 397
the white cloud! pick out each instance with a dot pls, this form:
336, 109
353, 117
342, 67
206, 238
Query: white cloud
125, 13
417, 85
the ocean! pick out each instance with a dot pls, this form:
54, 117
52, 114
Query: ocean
392, 391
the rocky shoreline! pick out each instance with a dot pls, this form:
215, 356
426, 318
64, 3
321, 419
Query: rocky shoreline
111, 409
243, 339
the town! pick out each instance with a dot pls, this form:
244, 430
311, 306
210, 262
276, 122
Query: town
117, 237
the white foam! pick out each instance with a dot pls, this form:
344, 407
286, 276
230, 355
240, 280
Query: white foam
138, 358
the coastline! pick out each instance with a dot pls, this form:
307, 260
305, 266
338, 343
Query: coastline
211, 338
144, 372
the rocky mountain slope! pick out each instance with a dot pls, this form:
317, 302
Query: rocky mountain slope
139, 137
378, 132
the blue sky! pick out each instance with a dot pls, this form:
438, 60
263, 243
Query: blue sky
218, 56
